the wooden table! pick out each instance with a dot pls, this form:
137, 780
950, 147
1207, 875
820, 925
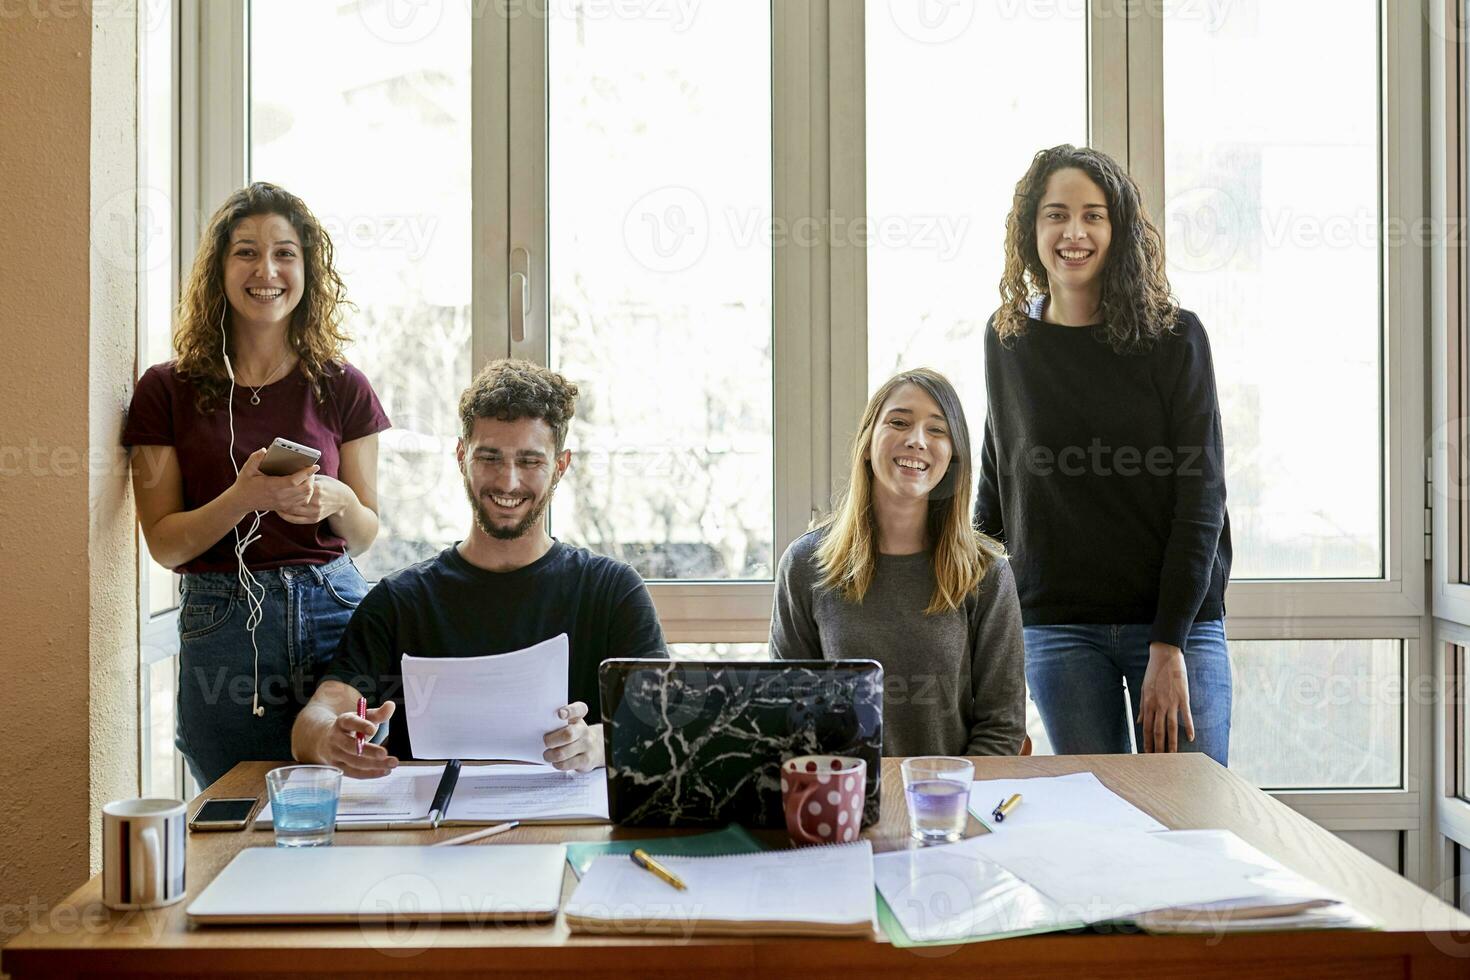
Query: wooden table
1422, 937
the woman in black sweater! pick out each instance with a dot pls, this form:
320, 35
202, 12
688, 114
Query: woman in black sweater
1102, 469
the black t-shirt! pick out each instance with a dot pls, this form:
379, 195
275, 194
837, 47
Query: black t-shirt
446, 607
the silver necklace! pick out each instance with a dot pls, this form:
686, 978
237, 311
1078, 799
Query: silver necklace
255, 389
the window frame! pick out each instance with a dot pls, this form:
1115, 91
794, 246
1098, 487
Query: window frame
1449, 142
819, 298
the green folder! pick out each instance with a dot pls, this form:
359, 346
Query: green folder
734, 839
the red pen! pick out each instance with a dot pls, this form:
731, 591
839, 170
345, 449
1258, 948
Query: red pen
361, 713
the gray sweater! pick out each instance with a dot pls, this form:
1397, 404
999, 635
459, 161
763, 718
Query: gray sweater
953, 683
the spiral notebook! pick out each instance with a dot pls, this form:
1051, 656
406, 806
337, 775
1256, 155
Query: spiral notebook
807, 891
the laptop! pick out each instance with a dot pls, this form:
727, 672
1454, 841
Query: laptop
700, 742
292, 885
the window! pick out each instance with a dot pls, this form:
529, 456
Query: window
1266, 205
940, 187
659, 171
1315, 714
372, 131
726, 223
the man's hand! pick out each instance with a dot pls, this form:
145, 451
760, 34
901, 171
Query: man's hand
1165, 699
336, 744
576, 746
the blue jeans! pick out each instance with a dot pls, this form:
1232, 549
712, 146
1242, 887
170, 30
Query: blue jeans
305, 610
1076, 676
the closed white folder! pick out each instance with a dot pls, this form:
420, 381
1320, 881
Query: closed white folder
288, 885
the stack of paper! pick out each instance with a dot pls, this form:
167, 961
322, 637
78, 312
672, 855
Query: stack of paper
401, 799
1284, 899
490, 794
1063, 875
405, 799
808, 891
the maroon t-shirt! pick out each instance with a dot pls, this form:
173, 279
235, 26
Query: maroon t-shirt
165, 412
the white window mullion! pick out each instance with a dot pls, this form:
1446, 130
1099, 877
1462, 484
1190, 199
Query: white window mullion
1145, 30
1107, 81
490, 170
847, 183
214, 95
528, 204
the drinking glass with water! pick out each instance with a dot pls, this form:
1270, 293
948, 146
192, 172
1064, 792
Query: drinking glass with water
304, 804
938, 791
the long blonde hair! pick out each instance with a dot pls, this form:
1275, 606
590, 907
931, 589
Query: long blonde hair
847, 556
315, 334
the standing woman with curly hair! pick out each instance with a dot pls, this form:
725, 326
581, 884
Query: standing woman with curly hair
268, 578
1102, 469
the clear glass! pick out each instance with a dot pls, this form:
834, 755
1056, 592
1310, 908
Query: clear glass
304, 804
956, 109
1266, 205
1318, 714
364, 112
661, 236
937, 790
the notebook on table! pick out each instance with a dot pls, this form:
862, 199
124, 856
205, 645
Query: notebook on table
807, 891
288, 885
701, 742
421, 797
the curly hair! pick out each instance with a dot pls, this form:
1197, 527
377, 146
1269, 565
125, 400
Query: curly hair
1138, 306
315, 333
512, 389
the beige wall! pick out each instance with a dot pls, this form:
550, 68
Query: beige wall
68, 651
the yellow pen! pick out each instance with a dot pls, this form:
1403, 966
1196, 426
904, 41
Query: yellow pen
1004, 807
640, 857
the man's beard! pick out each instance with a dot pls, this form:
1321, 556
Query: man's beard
483, 522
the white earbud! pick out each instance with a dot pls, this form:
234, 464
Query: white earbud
229, 368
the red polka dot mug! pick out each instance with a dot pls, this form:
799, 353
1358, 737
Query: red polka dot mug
823, 798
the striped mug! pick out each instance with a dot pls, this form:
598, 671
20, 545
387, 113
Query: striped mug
142, 853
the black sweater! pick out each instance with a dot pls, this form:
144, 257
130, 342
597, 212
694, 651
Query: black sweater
1103, 474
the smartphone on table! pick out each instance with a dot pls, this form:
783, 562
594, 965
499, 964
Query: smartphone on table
223, 814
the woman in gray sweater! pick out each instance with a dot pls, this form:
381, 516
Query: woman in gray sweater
899, 575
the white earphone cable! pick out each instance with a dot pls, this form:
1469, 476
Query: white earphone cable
255, 602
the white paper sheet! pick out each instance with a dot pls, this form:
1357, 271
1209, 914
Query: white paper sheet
1047, 799
1099, 873
495, 707
486, 793
951, 893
